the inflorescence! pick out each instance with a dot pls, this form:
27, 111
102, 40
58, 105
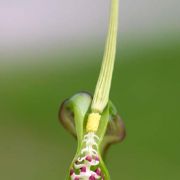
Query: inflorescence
86, 166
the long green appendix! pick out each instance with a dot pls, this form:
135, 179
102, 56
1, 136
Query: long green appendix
101, 95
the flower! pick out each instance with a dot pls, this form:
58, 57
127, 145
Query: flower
88, 161
94, 120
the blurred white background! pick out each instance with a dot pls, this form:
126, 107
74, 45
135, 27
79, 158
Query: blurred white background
36, 25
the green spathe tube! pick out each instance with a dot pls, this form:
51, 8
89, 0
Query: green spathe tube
73, 116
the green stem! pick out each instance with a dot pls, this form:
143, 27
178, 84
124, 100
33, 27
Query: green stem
101, 95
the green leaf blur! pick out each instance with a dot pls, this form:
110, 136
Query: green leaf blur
145, 90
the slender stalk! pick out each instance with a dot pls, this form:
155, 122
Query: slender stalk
101, 95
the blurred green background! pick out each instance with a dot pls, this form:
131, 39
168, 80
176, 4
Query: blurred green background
145, 90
